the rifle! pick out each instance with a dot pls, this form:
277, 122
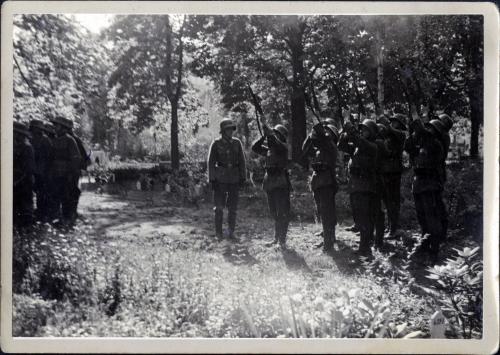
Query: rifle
308, 103
258, 108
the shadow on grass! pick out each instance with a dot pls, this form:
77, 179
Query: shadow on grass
238, 254
294, 261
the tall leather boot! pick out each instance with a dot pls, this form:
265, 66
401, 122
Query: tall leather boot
218, 222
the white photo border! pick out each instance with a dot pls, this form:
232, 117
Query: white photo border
489, 342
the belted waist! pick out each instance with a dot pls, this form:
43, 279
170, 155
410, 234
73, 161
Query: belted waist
358, 172
273, 170
320, 167
426, 172
224, 165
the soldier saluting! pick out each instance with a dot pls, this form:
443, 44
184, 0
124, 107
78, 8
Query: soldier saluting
65, 169
276, 183
360, 144
226, 173
426, 157
321, 147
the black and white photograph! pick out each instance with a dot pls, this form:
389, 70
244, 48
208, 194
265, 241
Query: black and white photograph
247, 175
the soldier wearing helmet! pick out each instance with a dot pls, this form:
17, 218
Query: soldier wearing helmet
24, 168
360, 144
320, 147
65, 170
426, 156
391, 166
42, 147
276, 183
226, 174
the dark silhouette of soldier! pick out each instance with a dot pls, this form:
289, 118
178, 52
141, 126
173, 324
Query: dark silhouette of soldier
426, 157
276, 182
51, 204
42, 147
24, 168
84, 162
392, 168
226, 174
360, 144
65, 170
321, 148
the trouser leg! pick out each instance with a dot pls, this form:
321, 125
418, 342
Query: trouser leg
22, 206
317, 203
379, 217
272, 205
392, 200
232, 205
219, 202
443, 213
68, 199
363, 217
282, 199
326, 196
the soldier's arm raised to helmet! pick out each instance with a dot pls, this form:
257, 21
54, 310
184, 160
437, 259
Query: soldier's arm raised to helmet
242, 163
364, 145
259, 147
344, 143
275, 143
211, 162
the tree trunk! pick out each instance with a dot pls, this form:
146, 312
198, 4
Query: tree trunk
174, 136
297, 100
380, 72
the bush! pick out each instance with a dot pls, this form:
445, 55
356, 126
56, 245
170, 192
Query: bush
30, 313
460, 282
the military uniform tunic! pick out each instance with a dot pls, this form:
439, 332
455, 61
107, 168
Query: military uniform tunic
42, 147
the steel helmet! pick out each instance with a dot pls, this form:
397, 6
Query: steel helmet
447, 121
227, 123
62, 121
334, 131
399, 118
35, 123
438, 125
371, 125
22, 129
381, 129
281, 130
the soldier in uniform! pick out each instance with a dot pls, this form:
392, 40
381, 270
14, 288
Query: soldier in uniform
360, 144
445, 141
65, 170
392, 168
321, 147
276, 182
24, 168
84, 162
226, 174
378, 213
42, 147
426, 156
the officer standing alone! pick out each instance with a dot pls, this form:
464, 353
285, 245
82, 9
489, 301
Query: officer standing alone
276, 182
226, 174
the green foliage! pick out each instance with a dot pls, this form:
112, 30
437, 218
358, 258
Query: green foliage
460, 282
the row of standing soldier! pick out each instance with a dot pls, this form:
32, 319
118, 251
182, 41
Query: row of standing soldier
48, 159
374, 171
